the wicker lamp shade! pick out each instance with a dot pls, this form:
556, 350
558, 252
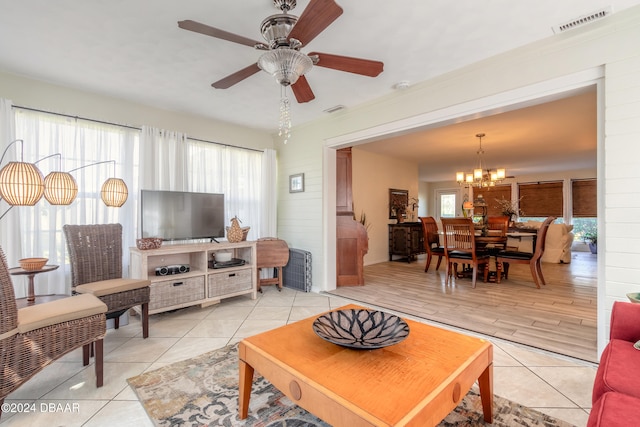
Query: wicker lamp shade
60, 188
21, 184
114, 192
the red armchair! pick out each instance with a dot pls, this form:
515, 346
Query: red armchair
616, 390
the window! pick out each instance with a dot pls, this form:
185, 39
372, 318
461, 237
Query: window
85, 145
584, 207
540, 200
491, 196
446, 204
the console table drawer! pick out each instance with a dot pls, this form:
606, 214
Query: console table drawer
229, 282
177, 291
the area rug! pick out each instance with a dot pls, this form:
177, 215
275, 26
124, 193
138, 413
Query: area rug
203, 391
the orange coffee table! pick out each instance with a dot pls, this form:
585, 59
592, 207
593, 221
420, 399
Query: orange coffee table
416, 382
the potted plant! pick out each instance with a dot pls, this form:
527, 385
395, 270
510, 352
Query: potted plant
591, 237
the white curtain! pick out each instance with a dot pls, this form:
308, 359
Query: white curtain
151, 159
236, 173
163, 165
10, 224
98, 152
269, 194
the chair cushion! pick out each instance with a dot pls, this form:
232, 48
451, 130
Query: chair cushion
62, 310
515, 255
614, 410
467, 255
619, 370
113, 286
437, 250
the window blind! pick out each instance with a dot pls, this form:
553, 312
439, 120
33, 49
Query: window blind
491, 196
541, 199
585, 198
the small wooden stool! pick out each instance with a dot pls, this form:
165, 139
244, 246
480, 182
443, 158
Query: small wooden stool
271, 253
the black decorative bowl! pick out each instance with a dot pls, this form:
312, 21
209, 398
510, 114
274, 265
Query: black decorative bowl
360, 328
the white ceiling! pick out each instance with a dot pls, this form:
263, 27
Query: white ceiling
133, 49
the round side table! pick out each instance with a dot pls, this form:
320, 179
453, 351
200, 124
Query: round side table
19, 271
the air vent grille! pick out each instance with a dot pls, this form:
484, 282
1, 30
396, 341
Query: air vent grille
334, 109
582, 20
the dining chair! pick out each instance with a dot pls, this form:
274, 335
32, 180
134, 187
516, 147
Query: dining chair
33, 337
498, 226
460, 246
95, 255
534, 259
431, 241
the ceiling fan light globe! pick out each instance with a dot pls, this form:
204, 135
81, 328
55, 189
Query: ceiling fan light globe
286, 65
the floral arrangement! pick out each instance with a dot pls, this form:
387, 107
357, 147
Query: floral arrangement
510, 208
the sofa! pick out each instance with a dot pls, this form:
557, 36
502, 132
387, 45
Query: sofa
616, 389
558, 244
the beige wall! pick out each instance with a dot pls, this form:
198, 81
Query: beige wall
373, 176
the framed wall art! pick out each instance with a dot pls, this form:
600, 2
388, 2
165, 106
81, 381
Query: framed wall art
296, 183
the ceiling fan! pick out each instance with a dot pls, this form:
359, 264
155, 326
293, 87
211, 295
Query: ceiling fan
285, 35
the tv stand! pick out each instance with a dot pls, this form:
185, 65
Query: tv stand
201, 285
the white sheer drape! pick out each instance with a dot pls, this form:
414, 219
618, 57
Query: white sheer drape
10, 224
163, 165
84, 145
151, 159
268, 226
236, 173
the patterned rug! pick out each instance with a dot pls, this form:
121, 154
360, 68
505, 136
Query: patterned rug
203, 391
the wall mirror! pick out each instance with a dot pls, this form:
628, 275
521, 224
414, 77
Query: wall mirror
398, 201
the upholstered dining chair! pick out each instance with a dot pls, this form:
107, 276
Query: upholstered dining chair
95, 253
431, 241
460, 246
534, 259
33, 337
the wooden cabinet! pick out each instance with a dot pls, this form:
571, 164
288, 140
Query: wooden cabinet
406, 240
202, 284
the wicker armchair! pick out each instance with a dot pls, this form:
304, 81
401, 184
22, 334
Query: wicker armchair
95, 253
33, 337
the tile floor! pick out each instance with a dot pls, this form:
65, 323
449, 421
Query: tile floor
64, 393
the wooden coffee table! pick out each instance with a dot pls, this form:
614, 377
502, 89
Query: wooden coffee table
418, 381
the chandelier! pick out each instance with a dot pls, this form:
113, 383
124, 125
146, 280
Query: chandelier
481, 176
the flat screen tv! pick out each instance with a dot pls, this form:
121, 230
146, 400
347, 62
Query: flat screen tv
179, 215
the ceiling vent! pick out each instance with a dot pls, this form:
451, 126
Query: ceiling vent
334, 109
582, 20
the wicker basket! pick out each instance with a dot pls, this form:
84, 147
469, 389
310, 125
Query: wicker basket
148, 243
33, 264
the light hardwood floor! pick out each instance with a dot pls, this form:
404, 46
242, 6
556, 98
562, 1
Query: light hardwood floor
560, 317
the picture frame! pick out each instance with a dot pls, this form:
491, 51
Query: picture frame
296, 183
398, 200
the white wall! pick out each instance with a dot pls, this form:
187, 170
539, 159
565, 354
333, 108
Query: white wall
605, 48
45, 96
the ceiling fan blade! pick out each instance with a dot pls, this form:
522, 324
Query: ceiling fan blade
302, 90
318, 15
236, 77
197, 27
365, 67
